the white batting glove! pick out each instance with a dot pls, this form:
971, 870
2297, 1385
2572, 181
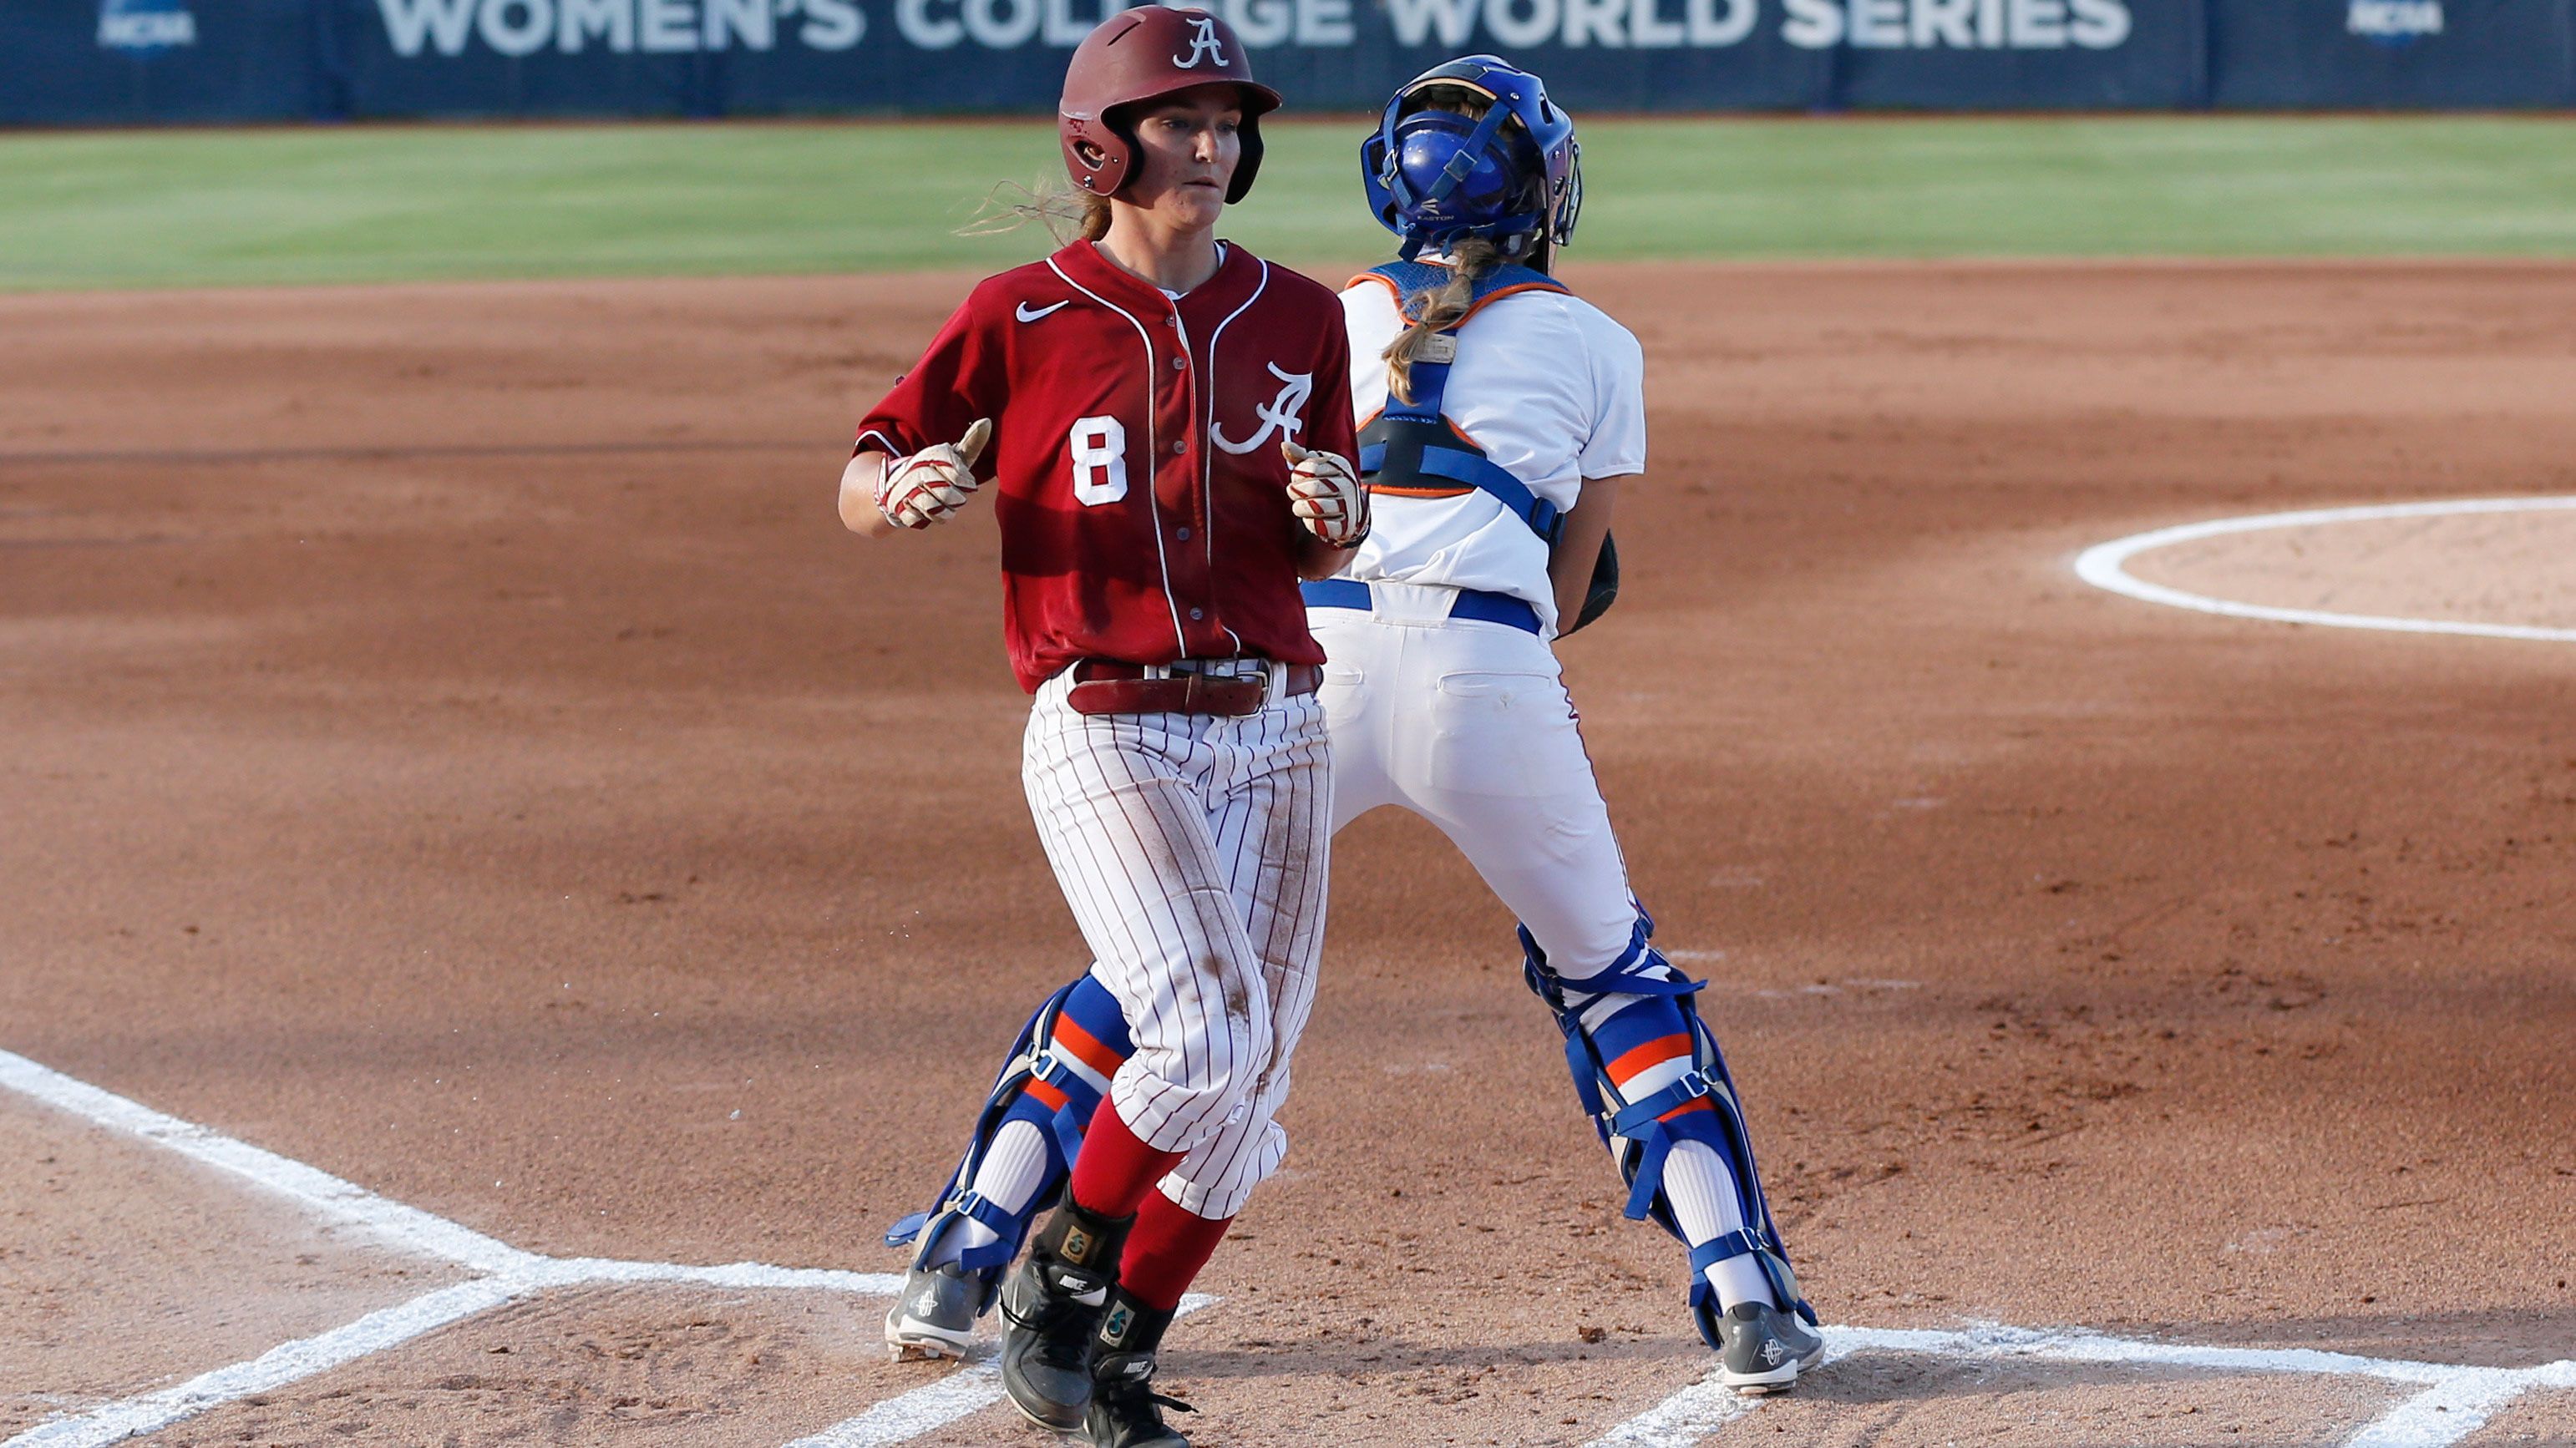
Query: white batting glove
932, 484
1328, 497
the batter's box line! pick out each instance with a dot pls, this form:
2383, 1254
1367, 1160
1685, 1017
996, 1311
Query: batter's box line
504, 1274
2455, 1400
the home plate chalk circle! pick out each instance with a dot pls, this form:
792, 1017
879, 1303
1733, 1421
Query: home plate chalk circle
2105, 565
2447, 1401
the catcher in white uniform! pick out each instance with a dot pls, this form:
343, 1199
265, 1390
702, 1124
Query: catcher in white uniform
1503, 414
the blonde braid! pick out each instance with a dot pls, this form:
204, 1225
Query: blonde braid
1469, 261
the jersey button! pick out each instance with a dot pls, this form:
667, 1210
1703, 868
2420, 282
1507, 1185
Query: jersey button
1183, 533
1179, 447
1180, 363
1196, 614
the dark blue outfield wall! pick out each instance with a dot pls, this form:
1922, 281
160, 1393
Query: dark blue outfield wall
138, 61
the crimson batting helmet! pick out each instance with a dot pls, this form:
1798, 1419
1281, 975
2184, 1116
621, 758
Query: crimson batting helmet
1136, 56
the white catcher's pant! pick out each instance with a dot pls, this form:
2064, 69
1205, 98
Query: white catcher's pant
1467, 724
1194, 852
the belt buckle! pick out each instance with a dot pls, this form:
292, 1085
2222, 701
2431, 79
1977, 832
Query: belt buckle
1231, 670
1271, 675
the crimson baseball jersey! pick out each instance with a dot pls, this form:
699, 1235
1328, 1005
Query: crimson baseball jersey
1135, 456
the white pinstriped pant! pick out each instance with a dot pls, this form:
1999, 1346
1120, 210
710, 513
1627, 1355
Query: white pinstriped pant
1194, 852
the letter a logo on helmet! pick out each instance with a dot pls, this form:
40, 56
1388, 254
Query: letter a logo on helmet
1203, 42
1139, 56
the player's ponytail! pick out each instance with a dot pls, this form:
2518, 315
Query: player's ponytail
1469, 261
1066, 213
1095, 217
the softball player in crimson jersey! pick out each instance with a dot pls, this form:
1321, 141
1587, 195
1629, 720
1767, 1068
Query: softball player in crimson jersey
1504, 415
1166, 420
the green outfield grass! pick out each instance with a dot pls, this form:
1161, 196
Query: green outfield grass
187, 208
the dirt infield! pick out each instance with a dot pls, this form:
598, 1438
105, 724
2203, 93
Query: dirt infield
2476, 569
452, 744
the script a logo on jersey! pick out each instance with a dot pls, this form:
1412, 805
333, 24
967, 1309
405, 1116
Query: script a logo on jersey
1203, 42
144, 26
1280, 414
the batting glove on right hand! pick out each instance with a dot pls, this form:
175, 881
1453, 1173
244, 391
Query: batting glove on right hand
1328, 497
933, 484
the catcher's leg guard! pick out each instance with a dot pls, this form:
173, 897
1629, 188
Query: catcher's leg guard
1054, 1078
1640, 1003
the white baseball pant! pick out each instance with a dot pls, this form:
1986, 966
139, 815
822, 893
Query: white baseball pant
1467, 724
1194, 852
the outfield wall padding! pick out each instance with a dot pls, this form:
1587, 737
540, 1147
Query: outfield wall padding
122, 62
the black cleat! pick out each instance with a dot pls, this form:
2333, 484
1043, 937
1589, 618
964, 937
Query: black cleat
1051, 1311
1125, 1410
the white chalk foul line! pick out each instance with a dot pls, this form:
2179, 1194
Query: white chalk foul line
278, 1367
756, 1276
2104, 566
507, 1274
2456, 1402
320, 1192
2444, 1413
1685, 1417
971, 1389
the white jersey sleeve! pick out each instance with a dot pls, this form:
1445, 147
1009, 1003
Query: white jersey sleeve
1617, 446
1550, 387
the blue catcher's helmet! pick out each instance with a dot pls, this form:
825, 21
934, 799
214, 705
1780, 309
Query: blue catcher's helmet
1511, 176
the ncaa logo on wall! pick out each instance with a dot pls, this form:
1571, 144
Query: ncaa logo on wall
2393, 22
144, 26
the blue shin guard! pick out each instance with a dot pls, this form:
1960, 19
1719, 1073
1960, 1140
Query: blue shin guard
1034, 1069
1641, 1133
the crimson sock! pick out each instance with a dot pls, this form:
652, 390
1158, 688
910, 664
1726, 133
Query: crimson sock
1165, 1250
1115, 1170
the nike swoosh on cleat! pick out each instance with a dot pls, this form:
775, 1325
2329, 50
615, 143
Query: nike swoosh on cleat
1026, 313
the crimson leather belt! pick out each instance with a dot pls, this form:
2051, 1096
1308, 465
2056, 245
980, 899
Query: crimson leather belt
1104, 686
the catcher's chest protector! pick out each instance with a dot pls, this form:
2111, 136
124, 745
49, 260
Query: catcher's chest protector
1412, 450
